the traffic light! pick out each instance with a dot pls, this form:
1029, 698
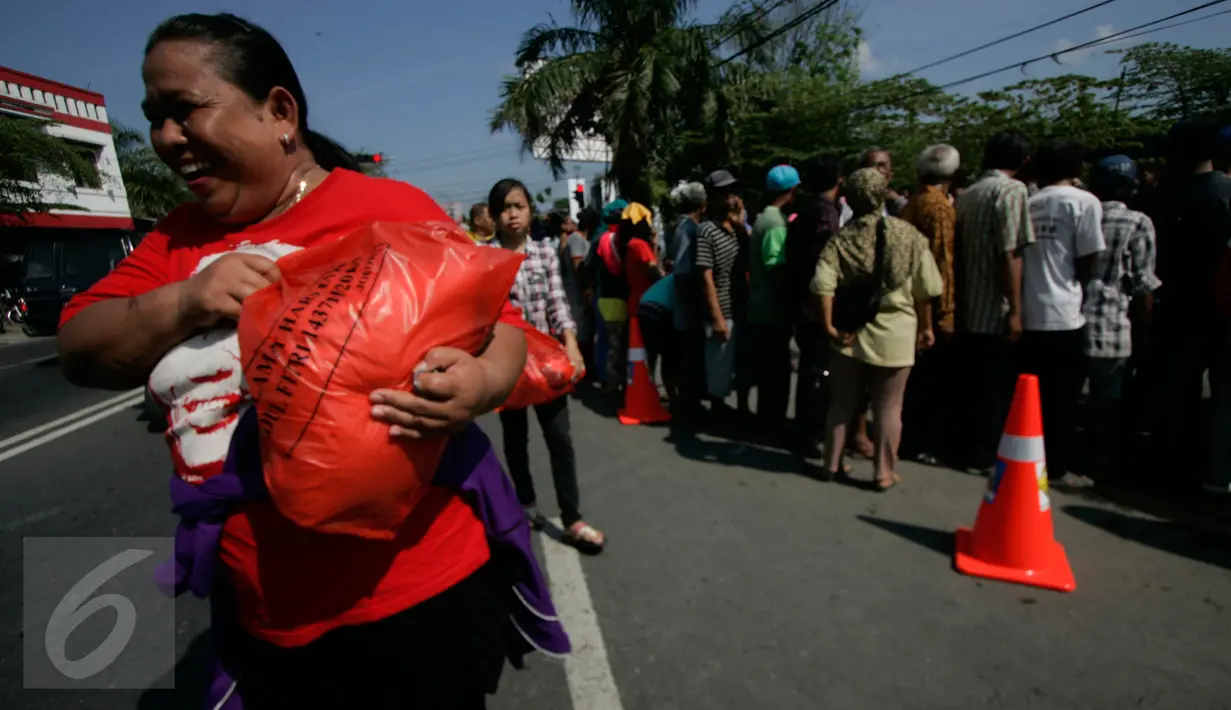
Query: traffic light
581, 197
364, 158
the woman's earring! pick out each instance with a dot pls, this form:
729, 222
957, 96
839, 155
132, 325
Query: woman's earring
287, 143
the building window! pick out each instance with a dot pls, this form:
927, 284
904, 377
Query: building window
90, 154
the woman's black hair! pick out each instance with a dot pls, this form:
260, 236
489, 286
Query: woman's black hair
588, 220
555, 225
626, 232
249, 57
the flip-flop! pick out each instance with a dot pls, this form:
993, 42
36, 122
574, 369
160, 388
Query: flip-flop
585, 537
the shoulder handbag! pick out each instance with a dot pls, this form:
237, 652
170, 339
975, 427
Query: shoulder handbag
855, 304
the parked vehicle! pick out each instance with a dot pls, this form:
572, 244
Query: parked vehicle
61, 262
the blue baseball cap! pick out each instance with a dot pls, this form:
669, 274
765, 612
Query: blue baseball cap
1116, 166
781, 178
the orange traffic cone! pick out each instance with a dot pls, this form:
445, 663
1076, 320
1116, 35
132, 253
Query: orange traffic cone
1013, 540
641, 402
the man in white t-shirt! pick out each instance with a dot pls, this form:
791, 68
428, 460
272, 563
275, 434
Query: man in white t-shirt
1068, 231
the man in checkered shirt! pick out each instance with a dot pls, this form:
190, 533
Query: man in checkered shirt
1123, 276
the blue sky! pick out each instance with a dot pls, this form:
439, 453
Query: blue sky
417, 80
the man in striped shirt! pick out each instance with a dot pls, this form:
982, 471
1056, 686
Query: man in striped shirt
993, 227
718, 247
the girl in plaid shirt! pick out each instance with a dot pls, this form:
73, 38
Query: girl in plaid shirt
539, 291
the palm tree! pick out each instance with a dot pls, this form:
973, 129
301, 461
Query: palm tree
639, 73
153, 190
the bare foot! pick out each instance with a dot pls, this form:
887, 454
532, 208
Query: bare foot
884, 484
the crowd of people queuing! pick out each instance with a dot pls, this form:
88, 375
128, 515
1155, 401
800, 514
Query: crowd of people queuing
922, 318
913, 312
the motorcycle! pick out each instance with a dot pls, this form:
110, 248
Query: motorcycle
15, 309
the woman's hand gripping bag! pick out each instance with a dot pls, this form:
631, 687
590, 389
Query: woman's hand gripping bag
347, 318
548, 373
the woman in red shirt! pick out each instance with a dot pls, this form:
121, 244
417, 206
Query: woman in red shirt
327, 620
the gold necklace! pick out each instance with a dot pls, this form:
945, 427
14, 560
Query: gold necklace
300, 191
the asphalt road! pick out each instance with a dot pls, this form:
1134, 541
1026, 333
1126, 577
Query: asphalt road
730, 582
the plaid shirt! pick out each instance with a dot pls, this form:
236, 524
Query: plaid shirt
539, 290
1123, 270
993, 219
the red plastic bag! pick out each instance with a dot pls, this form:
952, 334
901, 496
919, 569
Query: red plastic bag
347, 318
548, 373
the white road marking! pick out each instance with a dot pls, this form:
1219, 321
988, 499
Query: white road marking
17, 439
31, 361
590, 682
12, 525
56, 434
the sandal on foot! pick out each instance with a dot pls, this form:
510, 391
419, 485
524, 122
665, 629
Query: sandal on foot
585, 538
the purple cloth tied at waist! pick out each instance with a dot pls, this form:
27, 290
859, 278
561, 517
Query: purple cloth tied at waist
469, 465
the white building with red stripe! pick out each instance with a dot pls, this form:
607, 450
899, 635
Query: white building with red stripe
79, 119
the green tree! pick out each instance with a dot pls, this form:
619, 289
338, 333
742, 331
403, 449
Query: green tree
1168, 81
638, 73
29, 153
153, 189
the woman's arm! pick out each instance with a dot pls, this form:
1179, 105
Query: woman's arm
114, 344
559, 310
451, 387
502, 363
924, 336
711, 298
827, 316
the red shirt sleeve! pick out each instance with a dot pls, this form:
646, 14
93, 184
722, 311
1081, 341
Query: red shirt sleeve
142, 271
640, 252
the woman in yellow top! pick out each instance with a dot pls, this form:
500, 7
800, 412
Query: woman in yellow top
880, 354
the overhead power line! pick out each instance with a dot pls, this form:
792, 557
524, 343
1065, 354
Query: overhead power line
1052, 55
761, 14
1174, 24
1007, 38
803, 17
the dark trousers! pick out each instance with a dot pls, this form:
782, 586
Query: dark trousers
1191, 344
1057, 357
988, 372
447, 652
772, 373
812, 385
691, 355
925, 414
553, 419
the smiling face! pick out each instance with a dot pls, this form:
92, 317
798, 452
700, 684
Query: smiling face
225, 144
